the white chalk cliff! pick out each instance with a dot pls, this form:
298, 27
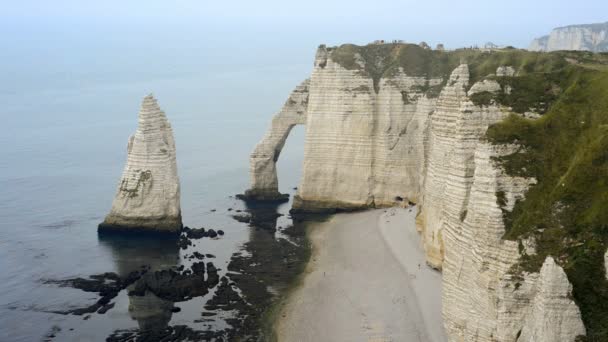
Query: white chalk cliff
389, 140
552, 307
263, 172
591, 37
148, 195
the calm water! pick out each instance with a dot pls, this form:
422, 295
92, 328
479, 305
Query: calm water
63, 144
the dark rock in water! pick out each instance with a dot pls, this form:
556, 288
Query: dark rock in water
242, 218
229, 209
173, 286
212, 276
210, 255
197, 255
253, 197
53, 333
220, 232
198, 267
167, 334
226, 298
213, 210
105, 308
176, 309
107, 285
211, 233
194, 233
184, 242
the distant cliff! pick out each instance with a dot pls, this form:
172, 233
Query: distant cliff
504, 151
590, 37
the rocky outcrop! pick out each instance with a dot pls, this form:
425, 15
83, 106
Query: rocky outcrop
364, 139
262, 163
379, 137
148, 195
554, 316
606, 263
591, 37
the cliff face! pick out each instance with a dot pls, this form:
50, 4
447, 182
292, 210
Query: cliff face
593, 37
552, 307
148, 195
378, 134
387, 124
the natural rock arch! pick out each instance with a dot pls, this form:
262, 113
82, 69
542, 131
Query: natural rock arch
262, 163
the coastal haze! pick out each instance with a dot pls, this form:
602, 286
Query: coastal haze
73, 77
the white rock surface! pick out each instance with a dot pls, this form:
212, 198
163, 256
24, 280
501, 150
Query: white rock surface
505, 70
366, 148
606, 264
490, 86
264, 184
591, 37
554, 317
362, 148
148, 195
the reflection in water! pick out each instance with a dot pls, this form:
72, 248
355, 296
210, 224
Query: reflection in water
151, 312
264, 215
130, 253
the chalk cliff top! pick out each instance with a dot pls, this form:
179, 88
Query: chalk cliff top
586, 37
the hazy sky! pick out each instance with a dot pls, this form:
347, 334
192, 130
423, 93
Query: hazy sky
70, 43
454, 23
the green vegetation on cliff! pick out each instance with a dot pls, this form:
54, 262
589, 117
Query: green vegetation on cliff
565, 150
384, 60
566, 212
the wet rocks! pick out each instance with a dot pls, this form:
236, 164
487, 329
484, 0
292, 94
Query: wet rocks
167, 334
175, 286
107, 285
242, 218
199, 233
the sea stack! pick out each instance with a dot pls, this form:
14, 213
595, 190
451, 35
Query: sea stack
148, 195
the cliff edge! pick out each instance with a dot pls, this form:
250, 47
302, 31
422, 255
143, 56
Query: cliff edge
589, 37
496, 147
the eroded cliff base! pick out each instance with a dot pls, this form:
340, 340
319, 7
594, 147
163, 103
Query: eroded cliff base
263, 196
170, 226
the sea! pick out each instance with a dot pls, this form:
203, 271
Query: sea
68, 105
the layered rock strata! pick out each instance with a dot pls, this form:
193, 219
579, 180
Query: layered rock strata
606, 263
148, 195
364, 139
590, 37
552, 307
382, 141
262, 163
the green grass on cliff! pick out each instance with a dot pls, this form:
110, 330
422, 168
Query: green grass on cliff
384, 60
566, 150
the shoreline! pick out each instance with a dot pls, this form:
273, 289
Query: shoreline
361, 285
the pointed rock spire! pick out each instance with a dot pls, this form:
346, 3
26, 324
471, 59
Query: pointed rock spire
148, 195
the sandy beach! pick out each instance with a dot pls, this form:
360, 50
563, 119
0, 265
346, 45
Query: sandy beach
367, 281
